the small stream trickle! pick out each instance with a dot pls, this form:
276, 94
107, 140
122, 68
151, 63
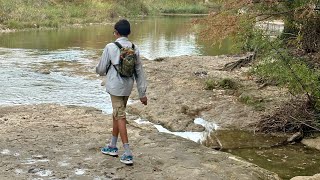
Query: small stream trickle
197, 137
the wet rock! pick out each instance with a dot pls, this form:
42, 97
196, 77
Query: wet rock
159, 59
313, 143
103, 82
201, 73
296, 137
44, 71
315, 177
35, 170
194, 128
39, 156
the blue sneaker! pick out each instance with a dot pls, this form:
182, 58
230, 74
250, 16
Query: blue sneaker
128, 160
112, 151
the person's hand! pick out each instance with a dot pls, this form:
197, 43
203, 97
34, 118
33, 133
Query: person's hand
144, 100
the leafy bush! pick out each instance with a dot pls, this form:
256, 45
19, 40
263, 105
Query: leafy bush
227, 84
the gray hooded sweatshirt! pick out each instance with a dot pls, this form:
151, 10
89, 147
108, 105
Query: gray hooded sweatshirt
115, 84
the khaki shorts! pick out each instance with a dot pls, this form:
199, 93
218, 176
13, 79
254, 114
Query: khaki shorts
119, 104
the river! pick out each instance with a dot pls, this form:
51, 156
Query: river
23, 55
21, 52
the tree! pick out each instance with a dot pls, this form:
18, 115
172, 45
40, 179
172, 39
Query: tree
237, 17
284, 59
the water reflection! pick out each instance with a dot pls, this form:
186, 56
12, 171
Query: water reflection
156, 37
22, 52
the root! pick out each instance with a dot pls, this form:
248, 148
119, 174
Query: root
243, 62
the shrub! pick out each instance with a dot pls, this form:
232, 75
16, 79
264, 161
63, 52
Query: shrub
209, 84
225, 83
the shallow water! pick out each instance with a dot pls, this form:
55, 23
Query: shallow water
287, 161
264, 150
197, 137
20, 84
23, 55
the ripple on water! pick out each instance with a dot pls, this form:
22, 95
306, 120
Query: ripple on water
19, 85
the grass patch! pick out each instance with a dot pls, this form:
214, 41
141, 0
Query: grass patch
176, 6
209, 84
185, 9
20, 14
232, 88
256, 103
226, 83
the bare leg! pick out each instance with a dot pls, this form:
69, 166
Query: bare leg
122, 127
115, 127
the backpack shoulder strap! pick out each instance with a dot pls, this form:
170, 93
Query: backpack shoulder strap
118, 44
120, 47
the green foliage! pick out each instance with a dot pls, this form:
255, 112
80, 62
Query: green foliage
176, 7
209, 84
258, 104
277, 64
252, 38
185, 8
129, 8
225, 83
19, 14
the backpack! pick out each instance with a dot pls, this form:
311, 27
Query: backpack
127, 61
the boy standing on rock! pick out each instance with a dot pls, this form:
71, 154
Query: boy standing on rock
121, 64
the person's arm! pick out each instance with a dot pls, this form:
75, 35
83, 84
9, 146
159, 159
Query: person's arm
104, 63
141, 80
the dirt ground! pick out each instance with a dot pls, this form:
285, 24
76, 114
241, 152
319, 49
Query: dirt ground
177, 94
63, 142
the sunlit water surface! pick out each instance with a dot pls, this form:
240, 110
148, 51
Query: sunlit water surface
21, 51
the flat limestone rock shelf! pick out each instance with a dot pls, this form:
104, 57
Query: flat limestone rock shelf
176, 89
53, 141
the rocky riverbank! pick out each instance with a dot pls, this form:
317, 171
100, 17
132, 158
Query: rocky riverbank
57, 142
177, 91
